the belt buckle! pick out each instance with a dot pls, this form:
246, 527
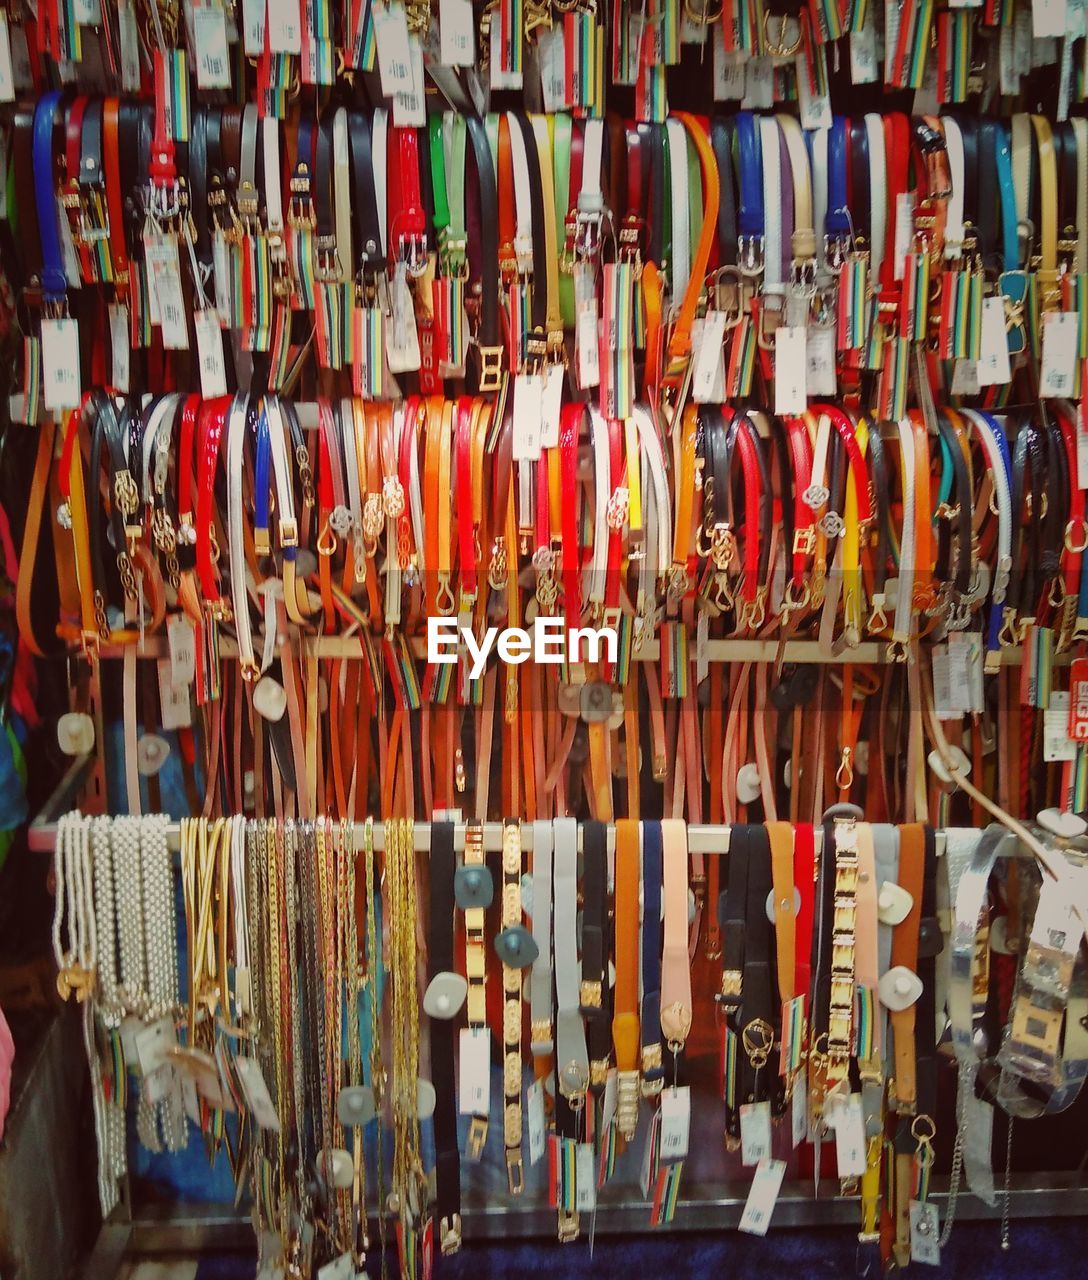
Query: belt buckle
412, 250
515, 1173
327, 265
477, 1136
490, 368
449, 1230
751, 254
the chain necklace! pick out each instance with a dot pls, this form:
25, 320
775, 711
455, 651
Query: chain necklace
377, 1067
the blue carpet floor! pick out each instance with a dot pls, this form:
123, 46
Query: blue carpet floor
1041, 1250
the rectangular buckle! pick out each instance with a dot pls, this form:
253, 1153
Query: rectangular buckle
477, 1137
515, 1172
490, 369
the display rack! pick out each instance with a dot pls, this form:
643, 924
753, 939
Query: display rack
187, 1228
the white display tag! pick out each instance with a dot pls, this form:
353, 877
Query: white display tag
284, 26
993, 359
182, 643
538, 1125
588, 351
965, 670
528, 416
401, 336
925, 1233
863, 59
1048, 18
758, 85
1059, 353
799, 1109
209, 346
821, 378
409, 106
455, 33
164, 284
551, 58
153, 1044
339, 1269
815, 108
213, 56
258, 1099
551, 406
87, 13
474, 1081
965, 378
1057, 744
253, 20
755, 1132
728, 70
942, 683
7, 71
709, 372
394, 54
585, 1178
790, 369
675, 1123
848, 1121
762, 1197
60, 365
174, 702
120, 354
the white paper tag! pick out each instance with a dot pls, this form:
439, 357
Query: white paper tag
551, 406
758, 85
1057, 744
551, 58
401, 335
209, 346
394, 54
904, 231
942, 684
174, 702
409, 106
848, 1121
339, 1269
815, 108
821, 378
474, 1083
538, 1125
965, 670
799, 1109
993, 360
258, 1099
153, 1044
253, 19
790, 369
7, 71
675, 1123
709, 369
528, 416
762, 1197
1059, 353
1048, 18
87, 12
164, 284
965, 378
755, 1132
213, 56
284, 26
455, 30
60, 365
1082, 452
182, 643
925, 1233
728, 70
863, 60
588, 365
585, 1178
120, 354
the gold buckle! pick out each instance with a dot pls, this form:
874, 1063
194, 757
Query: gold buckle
449, 1230
477, 1136
490, 369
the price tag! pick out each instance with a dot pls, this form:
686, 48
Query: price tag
728, 70
401, 335
120, 354
182, 643
993, 360
863, 59
821, 378
1057, 744
551, 406
848, 1121
585, 1178
815, 108
456, 42
213, 57
675, 1123
209, 346
762, 1197
409, 108
528, 416
174, 702
258, 1099
538, 1124
799, 1109
790, 369
758, 84
87, 13
965, 378
1048, 18
154, 1044
284, 26
755, 1132
164, 271
588, 351
394, 55
7, 71
253, 17
925, 1233
60, 365
474, 1083
1059, 353
552, 59
708, 375
965, 667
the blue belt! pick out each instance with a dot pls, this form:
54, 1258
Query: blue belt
54, 280
837, 223
262, 467
651, 941
993, 629
751, 220
1007, 193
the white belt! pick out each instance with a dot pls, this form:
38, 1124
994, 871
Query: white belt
678, 182
954, 228
273, 186
590, 197
818, 141
379, 142
803, 240
523, 197
772, 204
341, 170
597, 572
540, 984
878, 194
236, 439
1002, 498
572, 1057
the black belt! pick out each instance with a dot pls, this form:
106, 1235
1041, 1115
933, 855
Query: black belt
443, 1070
485, 261
721, 139
368, 231
595, 951
860, 193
